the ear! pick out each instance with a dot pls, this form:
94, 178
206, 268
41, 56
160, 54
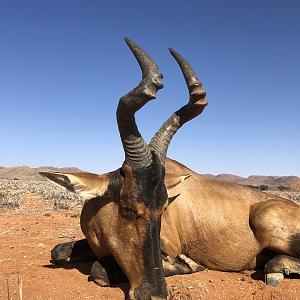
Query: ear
87, 185
171, 180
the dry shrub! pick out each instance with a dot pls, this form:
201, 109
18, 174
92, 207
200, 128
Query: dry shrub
9, 201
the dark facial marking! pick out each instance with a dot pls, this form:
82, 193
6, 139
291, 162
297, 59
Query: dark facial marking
145, 186
151, 186
152, 262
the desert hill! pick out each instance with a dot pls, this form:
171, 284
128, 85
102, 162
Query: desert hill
293, 186
62, 170
23, 172
28, 173
255, 179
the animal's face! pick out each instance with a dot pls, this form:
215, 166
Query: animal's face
142, 200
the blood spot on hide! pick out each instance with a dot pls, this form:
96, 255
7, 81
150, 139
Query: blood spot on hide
184, 249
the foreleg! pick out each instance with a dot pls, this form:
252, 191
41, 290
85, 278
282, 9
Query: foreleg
72, 252
106, 271
181, 265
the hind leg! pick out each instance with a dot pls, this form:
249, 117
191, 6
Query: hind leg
276, 226
281, 265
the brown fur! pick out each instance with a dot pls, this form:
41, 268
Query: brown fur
274, 222
109, 234
224, 226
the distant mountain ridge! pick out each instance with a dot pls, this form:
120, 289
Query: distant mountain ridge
23, 172
28, 173
255, 179
62, 170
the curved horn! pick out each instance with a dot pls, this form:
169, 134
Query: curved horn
146, 63
137, 153
193, 83
197, 102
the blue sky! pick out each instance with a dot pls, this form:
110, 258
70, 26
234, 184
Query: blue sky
64, 65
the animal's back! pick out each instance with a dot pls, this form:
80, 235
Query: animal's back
208, 220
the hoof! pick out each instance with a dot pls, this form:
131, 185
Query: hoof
98, 275
61, 253
273, 279
193, 265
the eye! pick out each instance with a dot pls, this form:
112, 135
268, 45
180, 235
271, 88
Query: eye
129, 213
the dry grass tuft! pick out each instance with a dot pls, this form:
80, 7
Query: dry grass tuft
8, 200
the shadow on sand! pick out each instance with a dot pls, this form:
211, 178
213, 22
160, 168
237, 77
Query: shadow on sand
115, 274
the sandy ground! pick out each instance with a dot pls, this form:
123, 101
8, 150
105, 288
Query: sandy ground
28, 233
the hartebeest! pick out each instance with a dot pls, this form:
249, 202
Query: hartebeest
157, 218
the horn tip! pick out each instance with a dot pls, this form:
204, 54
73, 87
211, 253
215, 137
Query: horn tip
175, 54
172, 51
128, 41
132, 45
